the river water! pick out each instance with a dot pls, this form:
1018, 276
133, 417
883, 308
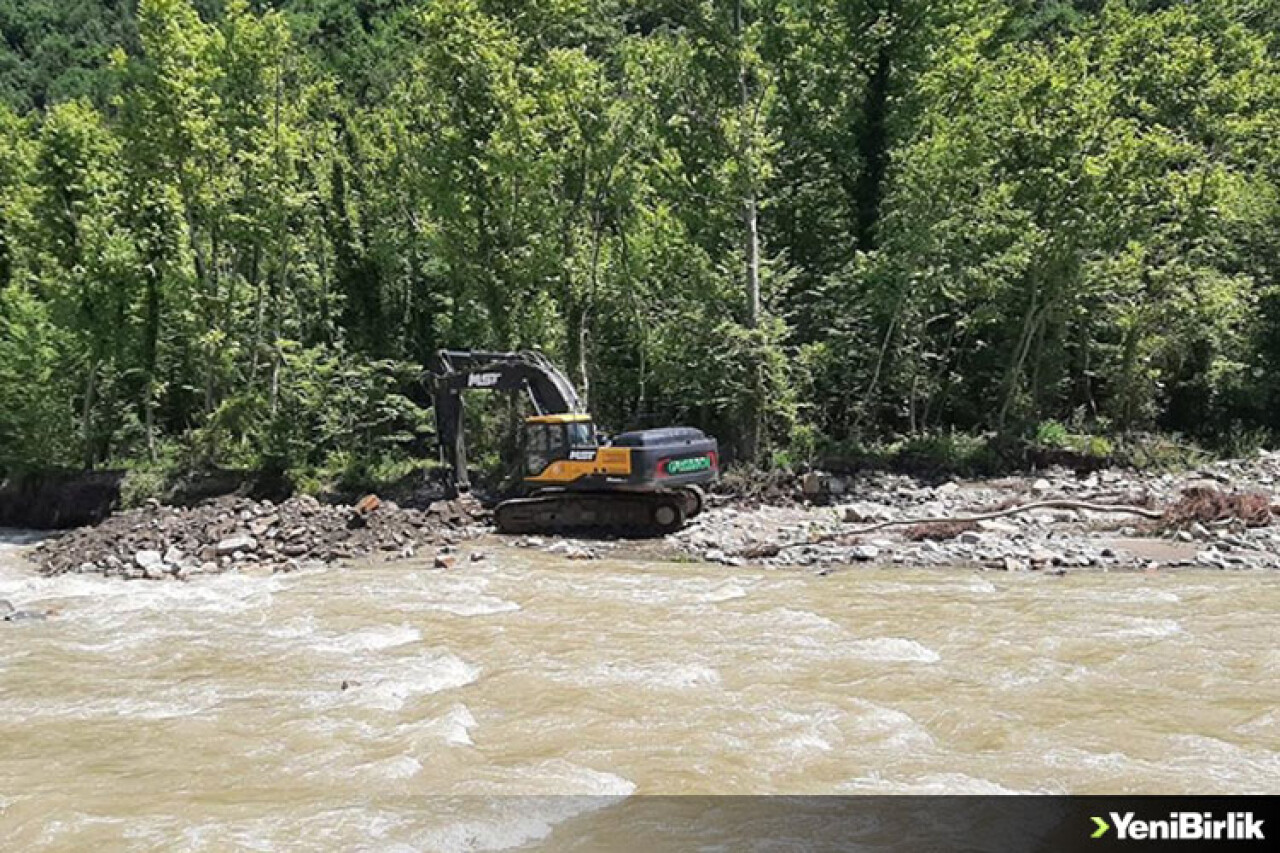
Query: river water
212, 715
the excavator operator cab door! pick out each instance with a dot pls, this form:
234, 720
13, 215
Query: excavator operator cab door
550, 442
544, 444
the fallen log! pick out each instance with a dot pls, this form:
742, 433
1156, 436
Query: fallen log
774, 548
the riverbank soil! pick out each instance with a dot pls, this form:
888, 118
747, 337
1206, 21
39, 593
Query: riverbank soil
56, 500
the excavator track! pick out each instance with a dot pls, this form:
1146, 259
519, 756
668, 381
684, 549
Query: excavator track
625, 513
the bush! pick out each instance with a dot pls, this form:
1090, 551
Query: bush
149, 479
1054, 435
949, 453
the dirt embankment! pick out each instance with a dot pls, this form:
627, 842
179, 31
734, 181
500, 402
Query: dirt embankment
55, 500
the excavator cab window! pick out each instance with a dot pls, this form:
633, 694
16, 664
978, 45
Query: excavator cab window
545, 444
581, 434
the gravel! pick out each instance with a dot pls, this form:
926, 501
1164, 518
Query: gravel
1051, 540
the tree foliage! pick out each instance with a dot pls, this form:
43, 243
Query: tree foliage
242, 227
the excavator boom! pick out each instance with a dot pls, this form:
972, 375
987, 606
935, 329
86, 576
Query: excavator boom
456, 371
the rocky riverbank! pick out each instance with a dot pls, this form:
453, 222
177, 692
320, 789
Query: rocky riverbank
158, 542
1222, 516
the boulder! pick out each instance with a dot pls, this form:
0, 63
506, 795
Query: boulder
147, 559
864, 511
235, 544
1044, 556
263, 525
995, 525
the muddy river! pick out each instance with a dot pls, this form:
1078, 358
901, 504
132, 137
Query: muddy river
335, 709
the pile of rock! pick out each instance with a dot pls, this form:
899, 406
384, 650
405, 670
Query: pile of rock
157, 542
1238, 532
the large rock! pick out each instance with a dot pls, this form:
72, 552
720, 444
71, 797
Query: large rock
995, 525
234, 544
864, 511
147, 559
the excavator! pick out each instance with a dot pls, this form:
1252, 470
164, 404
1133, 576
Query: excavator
644, 482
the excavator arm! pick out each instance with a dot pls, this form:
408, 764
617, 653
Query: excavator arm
456, 371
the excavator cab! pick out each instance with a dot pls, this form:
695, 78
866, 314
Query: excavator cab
563, 450
552, 438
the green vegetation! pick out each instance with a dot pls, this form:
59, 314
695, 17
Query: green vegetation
232, 233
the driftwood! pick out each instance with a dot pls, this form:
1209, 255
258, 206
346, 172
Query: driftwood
773, 549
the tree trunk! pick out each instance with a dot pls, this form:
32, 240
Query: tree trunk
752, 427
750, 206
874, 148
576, 347
86, 417
868, 396
1013, 381
150, 341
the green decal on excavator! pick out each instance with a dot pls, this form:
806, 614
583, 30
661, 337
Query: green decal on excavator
688, 466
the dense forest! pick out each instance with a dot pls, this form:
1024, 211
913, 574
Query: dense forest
233, 233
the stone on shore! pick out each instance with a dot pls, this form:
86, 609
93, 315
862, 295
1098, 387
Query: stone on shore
234, 544
147, 559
